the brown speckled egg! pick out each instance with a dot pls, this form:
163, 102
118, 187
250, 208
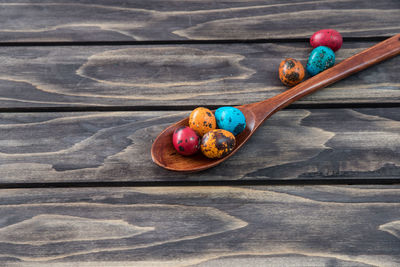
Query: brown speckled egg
202, 120
217, 143
291, 72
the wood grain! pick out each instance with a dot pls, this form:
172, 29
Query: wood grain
115, 146
155, 20
192, 226
201, 226
174, 75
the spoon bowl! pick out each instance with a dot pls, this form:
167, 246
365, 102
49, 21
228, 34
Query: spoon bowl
164, 154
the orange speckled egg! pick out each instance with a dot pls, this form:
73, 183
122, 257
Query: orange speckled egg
202, 120
291, 72
217, 143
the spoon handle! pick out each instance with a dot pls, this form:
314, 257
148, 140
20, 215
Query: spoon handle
370, 56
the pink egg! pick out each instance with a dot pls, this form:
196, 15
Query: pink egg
327, 37
186, 141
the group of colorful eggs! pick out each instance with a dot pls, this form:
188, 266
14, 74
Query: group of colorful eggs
203, 134
214, 135
325, 43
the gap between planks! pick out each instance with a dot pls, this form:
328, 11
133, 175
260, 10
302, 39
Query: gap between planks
299, 182
191, 107
184, 42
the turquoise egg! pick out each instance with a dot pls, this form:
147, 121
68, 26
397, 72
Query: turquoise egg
321, 58
230, 119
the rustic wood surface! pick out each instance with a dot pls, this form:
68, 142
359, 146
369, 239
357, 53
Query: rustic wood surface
202, 226
86, 86
87, 20
115, 146
175, 75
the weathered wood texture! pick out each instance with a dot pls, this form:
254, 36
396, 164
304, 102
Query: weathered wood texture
175, 75
195, 20
202, 226
115, 146
192, 226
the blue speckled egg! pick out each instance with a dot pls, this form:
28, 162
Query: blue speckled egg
321, 58
230, 119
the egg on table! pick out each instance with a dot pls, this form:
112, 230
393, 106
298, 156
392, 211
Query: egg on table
327, 37
202, 120
291, 72
217, 143
185, 141
321, 58
230, 119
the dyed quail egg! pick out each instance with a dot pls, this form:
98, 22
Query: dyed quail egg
327, 37
321, 58
202, 120
185, 141
291, 72
217, 143
230, 119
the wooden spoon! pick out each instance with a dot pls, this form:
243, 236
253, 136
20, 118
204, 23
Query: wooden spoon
164, 154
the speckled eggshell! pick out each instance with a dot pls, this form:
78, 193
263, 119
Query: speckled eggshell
291, 72
186, 141
202, 120
321, 58
230, 119
327, 37
217, 143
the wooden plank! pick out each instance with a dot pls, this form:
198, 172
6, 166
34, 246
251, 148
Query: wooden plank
174, 75
201, 226
155, 20
115, 146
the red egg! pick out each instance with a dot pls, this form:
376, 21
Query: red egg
327, 37
186, 141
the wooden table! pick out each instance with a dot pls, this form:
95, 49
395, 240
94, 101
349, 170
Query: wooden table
85, 88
